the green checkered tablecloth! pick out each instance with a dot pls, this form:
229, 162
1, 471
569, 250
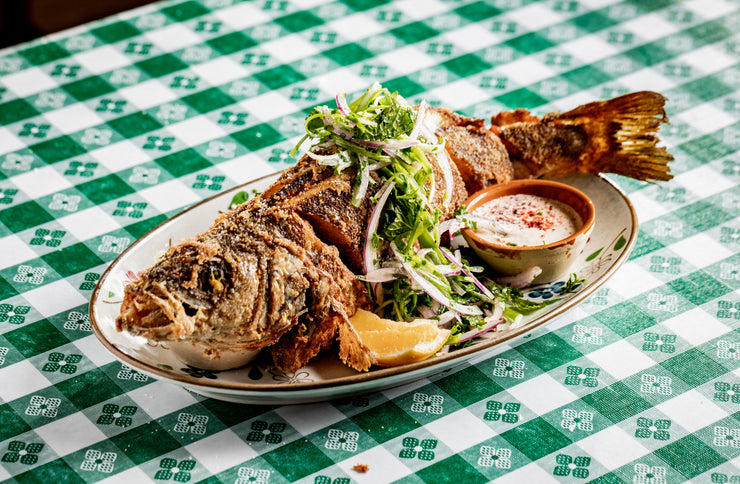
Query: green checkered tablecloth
108, 129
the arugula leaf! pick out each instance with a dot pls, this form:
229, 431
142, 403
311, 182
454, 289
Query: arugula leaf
238, 199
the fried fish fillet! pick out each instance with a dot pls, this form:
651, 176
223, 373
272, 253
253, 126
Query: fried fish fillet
477, 153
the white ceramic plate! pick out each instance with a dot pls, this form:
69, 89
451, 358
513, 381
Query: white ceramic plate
326, 377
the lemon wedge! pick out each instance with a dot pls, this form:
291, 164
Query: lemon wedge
393, 343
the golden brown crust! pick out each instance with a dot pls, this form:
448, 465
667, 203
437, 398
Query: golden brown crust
305, 340
459, 192
614, 136
295, 180
352, 351
477, 152
327, 206
480, 156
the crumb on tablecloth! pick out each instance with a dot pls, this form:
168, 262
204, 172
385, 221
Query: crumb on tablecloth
361, 467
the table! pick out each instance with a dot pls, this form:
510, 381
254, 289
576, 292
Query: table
110, 128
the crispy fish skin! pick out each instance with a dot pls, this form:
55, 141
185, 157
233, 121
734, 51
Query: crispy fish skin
327, 206
615, 136
476, 152
242, 284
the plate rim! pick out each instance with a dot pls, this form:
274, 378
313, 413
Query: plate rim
444, 362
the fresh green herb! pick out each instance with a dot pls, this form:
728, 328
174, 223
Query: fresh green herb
239, 198
573, 284
463, 218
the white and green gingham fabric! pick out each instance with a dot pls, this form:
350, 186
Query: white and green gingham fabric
108, 129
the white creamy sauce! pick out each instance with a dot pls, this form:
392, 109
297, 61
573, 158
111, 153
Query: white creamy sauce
527, 220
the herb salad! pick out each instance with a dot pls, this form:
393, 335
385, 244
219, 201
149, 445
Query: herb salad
409, 272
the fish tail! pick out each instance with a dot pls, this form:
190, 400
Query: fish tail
615, 136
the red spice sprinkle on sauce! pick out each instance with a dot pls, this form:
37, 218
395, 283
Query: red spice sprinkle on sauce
527, 220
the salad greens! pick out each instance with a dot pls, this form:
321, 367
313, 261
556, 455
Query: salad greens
409, 272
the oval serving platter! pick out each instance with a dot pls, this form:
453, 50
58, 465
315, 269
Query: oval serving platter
325, 377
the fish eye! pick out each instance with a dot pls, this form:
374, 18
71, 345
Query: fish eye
189, 310
215, 276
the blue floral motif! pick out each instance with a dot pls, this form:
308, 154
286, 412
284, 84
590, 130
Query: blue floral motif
201, 373
548, 291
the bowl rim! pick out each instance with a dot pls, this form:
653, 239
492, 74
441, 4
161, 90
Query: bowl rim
519, 186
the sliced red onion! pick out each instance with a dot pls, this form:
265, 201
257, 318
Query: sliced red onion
458, 241
330, 160
379, 293
435, 306
423, 252
342, 105
368, 143
378, 165
450, 225
399, 144
420, 115
328, 120
444, 164
370, 255
432, 290
496, 314
449, 270
521, 280
428, 131
448, 316
384, 274
475, 280
425, 311
344, 134
361, 189
345, 163
488, 335
476, 332
451, 257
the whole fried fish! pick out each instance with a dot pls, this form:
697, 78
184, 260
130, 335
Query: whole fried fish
279, 270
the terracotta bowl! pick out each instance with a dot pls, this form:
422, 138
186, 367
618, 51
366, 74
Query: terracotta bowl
554, 258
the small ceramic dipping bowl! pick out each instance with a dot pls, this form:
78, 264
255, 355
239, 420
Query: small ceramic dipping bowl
193, 354
555, 258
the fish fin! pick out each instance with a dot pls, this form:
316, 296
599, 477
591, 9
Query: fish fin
305, 340
352, 351
615, 136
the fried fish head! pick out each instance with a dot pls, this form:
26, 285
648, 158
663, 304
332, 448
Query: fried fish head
200, 292
243, 284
